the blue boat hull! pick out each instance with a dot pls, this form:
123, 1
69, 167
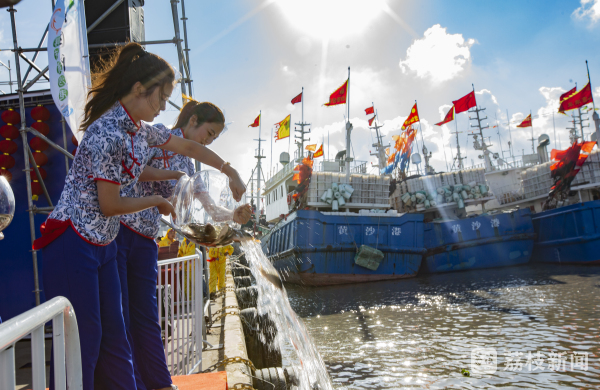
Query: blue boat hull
485, 241
568, 235
315, 249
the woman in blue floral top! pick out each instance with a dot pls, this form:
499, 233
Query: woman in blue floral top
77, 243
137, 253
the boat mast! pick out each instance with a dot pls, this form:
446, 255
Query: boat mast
483, 146
348, 131
458, 156
302, 132
379, 144
258, 157
532, 139
595, 116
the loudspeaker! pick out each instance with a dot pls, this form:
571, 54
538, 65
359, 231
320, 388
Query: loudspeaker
124, 24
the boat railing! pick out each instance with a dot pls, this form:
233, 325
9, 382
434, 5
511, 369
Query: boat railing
279, 175
181, 312
65, 341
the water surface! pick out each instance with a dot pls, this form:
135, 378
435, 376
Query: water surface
421, 332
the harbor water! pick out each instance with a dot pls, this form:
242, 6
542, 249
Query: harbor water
531, 326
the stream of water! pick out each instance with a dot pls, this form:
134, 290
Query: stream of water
538, 326
292, 335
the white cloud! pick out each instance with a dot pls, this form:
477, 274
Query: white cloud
438, 56
589, 9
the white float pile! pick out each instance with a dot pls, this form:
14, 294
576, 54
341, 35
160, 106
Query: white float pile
337, 195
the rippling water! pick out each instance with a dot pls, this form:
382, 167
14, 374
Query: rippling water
420, 333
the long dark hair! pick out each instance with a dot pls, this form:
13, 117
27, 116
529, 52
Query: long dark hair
205, 111
126, 67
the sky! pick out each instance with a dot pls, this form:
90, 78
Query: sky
250, 56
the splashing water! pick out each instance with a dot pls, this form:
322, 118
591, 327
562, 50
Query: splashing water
273, 301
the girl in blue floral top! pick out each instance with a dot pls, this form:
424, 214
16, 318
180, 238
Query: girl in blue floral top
137, 253
77, 243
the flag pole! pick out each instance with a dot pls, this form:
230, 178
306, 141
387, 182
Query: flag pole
271, 165
594, 114
348, 130
532, 138
258, 173
590, 82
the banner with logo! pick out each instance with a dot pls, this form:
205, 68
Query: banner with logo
68, 61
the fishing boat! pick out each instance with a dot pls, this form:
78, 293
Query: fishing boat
566, 234
318, 241
459, 233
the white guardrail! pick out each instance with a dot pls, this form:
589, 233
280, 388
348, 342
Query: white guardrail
181, 312
65, 339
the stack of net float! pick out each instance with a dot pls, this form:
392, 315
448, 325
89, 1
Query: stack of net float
537, 180
443, 195
368, 189
436, 190
337, 195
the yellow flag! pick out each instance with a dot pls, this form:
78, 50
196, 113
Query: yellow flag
283, 128
312, 148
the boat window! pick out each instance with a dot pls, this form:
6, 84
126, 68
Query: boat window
282, 190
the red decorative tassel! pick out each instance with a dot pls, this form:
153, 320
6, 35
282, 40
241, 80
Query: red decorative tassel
11, 117
40, 113
8, 146
38, 144
40, 159
43, 173
9, 131
6, 161
74, 140
36, 188
41, 127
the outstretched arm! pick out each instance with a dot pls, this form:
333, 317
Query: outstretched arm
206, 156
112, 204
154, 174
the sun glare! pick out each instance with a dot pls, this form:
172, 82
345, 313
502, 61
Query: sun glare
331, 19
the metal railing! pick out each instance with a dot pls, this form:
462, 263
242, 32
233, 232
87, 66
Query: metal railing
65, 341
181, 312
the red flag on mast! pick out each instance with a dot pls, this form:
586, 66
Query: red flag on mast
339, 96
297, 99
412, 118
464, 103
448, 118
578, 99
256, 122
319, 152
527, 122
567, 94
371, 121
370, 110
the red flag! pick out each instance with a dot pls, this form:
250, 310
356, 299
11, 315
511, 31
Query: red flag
464, 103
319, 152
579, 99
370, 110
256, 122
448, 118
371, 121
339, 96
412, 118
297, 99
567, 94
527, 122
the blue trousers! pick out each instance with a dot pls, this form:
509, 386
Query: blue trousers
87, 276
138, 271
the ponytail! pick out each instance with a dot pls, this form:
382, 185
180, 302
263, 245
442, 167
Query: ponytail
205, 112
127, 66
